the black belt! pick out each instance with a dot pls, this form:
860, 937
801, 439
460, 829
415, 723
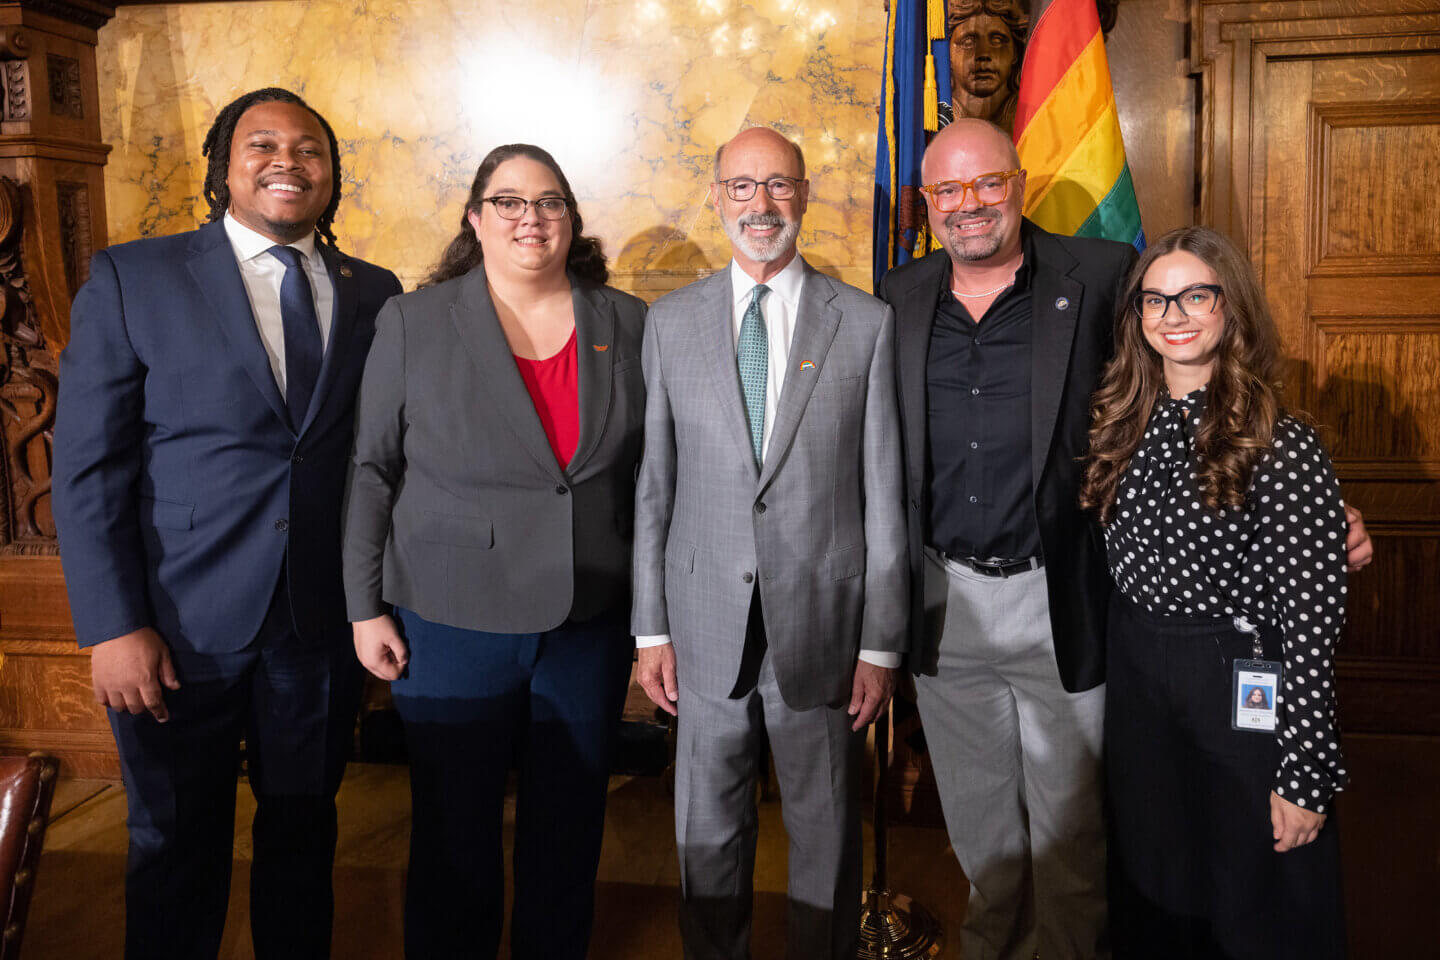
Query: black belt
995, 568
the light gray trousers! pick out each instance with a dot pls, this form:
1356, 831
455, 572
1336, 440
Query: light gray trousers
818, 762
1017, 761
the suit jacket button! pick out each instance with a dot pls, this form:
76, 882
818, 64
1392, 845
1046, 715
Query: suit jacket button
748, 577
562, 490
760, 507
282, 525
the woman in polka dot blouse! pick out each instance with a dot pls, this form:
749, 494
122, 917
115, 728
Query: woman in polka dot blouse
1223, 524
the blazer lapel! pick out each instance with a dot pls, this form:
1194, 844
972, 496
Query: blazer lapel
478, 328
212, 264
815, 324
915, 304
342, 328
718, 335
595, 362
1055, 299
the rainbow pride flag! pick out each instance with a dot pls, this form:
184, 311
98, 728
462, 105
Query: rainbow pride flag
1067, 129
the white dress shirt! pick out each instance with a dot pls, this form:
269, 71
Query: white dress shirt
779, 307
262, 274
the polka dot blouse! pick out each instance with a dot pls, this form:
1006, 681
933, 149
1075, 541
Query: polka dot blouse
1279, 561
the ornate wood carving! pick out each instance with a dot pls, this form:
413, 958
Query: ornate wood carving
52, 215
85, 13
75, 232
64, 75
17, 90
28, 389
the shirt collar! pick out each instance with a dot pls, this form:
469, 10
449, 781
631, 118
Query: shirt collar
248, 244
785, 284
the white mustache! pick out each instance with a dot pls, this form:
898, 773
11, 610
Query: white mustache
760, 220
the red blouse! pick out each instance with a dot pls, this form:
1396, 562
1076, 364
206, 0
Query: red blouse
554, 386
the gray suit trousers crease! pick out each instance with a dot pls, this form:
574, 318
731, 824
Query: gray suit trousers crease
818, 761
1017, 762
816, 534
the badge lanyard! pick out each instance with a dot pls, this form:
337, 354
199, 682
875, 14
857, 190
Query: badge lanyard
1255, 687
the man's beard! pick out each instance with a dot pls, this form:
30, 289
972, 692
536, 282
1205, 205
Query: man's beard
759, 249
980, 247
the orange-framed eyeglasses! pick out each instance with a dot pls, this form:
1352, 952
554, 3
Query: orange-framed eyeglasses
989, 189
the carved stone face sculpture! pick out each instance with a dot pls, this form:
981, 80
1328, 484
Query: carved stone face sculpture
982, 54
986, 45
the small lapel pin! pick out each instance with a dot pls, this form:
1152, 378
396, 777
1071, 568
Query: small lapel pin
1062, 304
807, 365
600, 347
345, 271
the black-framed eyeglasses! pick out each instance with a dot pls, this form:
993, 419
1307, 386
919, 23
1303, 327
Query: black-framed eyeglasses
779, 188
1196, 300
990, 189
513, 208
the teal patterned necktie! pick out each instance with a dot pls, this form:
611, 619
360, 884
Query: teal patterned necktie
752, 355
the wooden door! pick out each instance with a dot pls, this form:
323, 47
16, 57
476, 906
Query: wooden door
1320, 150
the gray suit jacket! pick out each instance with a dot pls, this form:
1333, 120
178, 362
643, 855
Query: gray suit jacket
821, 523
456, 507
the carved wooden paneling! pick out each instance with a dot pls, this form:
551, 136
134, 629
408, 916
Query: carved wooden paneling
1380, 391
1364, 159
51, 219
1320, 152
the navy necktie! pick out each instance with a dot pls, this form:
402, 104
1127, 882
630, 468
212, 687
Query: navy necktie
303, 347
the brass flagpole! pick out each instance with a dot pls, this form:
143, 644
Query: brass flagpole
892, 926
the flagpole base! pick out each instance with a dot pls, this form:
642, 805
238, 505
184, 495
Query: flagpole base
894, 927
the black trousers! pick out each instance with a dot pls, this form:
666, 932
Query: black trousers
473, 703
294, 705
1193, 869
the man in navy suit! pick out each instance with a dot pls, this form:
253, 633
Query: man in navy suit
201, 445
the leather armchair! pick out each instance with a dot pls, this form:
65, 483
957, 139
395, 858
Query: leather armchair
27, 785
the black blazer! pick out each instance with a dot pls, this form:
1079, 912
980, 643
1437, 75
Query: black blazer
457, 508
1074, 287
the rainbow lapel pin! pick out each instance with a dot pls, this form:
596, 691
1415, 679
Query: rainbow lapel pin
807, 365
599, 347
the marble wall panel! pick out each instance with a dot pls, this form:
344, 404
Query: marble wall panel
632, 97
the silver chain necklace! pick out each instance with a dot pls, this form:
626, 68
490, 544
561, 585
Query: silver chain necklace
987, 293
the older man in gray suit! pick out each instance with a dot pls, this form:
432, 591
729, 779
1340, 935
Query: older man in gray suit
770, 575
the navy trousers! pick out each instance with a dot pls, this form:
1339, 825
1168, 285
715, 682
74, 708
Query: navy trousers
294, 705
473, 704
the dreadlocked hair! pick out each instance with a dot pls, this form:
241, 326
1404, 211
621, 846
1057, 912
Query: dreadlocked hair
217, 149
1242, 401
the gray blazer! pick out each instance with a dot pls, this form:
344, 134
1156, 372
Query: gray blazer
821, 523
456, 507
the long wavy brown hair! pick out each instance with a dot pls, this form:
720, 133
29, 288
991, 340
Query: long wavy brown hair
1242, 398
586, 259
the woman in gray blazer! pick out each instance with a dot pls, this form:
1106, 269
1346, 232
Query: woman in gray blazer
487, 556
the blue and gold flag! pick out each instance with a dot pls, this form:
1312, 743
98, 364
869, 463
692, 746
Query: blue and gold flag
915, 81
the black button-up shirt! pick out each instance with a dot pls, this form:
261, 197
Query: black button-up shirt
1279, 561
978, 415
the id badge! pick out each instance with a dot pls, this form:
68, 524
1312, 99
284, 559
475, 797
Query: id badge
1256, 683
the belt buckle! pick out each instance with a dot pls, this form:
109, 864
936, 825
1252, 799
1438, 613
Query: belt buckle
983, 567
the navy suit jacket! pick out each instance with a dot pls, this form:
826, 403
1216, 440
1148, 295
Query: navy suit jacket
180, 484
